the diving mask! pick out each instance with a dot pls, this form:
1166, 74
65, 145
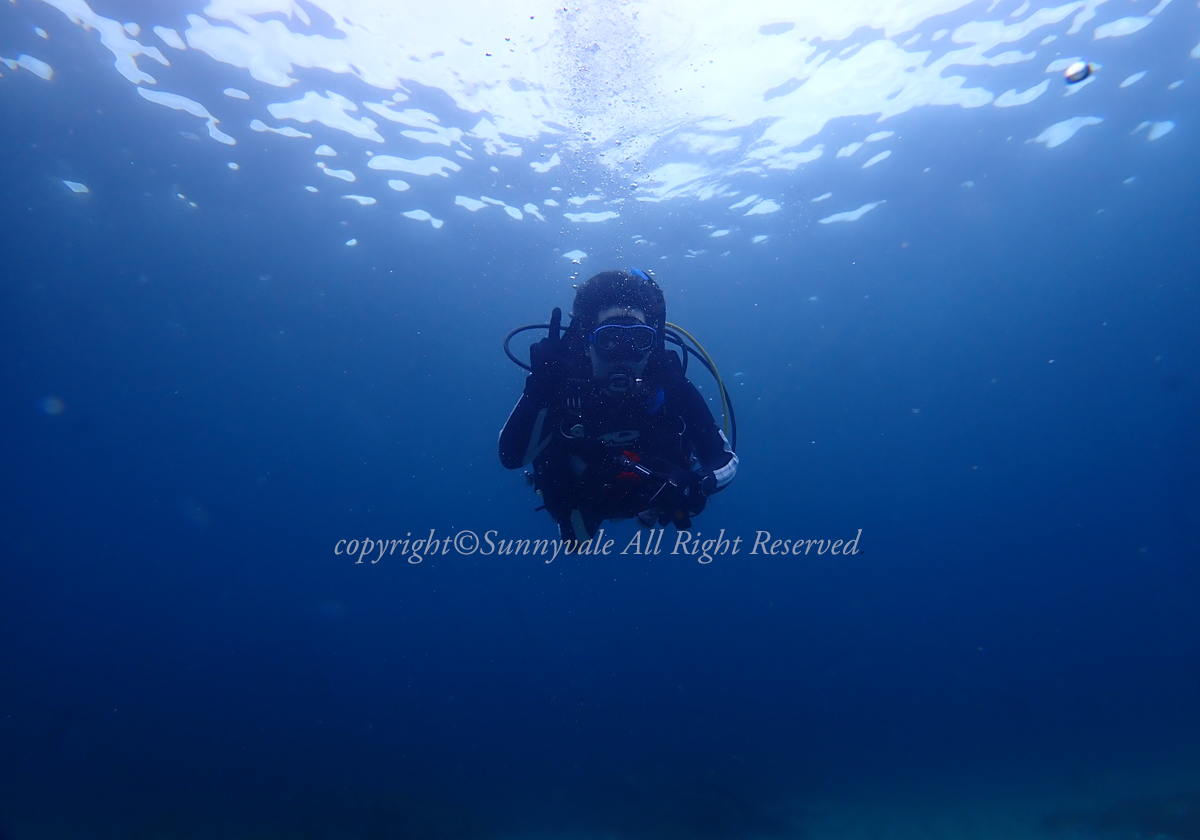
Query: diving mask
624, 342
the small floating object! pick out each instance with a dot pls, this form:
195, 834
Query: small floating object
1078, 71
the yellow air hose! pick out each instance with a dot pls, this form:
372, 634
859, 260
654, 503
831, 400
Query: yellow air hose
716, 373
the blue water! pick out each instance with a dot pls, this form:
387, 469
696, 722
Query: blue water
997, 384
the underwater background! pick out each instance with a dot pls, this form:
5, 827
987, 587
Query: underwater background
994, 374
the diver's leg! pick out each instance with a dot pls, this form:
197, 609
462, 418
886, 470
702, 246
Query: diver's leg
581, 529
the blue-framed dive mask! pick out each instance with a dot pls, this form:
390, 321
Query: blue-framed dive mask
621, 342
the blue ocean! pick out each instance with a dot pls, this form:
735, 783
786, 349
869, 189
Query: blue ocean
263, 575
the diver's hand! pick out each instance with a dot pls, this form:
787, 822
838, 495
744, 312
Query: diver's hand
684, 496
549, 366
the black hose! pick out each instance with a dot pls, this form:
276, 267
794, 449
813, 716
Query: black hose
508, 338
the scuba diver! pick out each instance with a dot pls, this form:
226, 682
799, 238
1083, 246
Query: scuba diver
608, 419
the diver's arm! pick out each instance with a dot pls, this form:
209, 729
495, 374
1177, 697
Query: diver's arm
709, 442
525, 433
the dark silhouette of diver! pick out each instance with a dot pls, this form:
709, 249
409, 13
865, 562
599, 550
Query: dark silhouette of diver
608, 419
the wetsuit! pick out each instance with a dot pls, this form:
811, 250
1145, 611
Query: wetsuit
598, 456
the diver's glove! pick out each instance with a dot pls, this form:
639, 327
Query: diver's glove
685, 495
549, 365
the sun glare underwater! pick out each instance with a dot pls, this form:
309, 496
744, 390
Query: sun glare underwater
261, 257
